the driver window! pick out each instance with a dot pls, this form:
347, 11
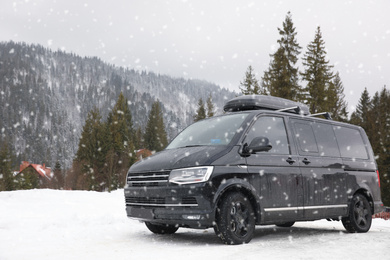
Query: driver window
274, 129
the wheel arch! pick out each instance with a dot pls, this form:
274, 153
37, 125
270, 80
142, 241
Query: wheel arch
239, 185
366, 193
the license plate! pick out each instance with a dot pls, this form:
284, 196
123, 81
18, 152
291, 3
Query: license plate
141, 213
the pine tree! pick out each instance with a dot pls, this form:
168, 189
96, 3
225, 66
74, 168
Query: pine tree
27, 179
318, 75
373, 114
281, 79
250, 85
210, 107
138, 139
155, 138
200, 112
337, 106
57, 181
361, 115
93, 147
122, 135
6, 176
121, 126
380, 121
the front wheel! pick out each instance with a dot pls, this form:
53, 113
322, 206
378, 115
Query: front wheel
359, 217
235, 220
161, 228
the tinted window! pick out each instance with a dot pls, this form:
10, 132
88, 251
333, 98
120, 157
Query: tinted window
326, 140
305, 136
350, 143
274, 129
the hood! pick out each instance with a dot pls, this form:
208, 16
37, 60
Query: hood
180, 158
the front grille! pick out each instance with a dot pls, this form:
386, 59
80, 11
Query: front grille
161, 202
148, 179
145, 201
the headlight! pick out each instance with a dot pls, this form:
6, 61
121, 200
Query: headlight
191, 175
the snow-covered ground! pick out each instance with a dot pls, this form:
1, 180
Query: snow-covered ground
52, 224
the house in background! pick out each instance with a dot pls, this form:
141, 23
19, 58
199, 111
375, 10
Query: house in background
32, 176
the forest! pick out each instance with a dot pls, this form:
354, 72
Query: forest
105, 142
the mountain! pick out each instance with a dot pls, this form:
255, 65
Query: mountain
45, 96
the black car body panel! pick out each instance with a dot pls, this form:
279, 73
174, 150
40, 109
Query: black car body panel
180, 158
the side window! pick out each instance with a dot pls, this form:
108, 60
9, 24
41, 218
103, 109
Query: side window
350, 143
326, 140
304, 134
274, 129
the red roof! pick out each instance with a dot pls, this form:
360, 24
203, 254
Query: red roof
40, 169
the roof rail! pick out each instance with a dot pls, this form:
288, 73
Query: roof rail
297, 109
325, 114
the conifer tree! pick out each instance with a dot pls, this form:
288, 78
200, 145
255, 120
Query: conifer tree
373, 115
121, 126
122, 135
281, 79
138, 139
210, 107
27, 180
362, 113
155, 138
317, 74
57, 181
380, 136
250, 85
6, 176
92, 150
337, 105
200, 112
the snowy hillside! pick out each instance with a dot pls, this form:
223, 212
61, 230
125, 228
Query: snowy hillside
52, 224
45, 97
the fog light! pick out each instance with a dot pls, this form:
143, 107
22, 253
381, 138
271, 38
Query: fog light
191, 217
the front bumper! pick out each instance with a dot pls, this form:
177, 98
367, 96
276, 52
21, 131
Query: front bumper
182, 205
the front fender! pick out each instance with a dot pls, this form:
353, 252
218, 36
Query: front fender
237, 184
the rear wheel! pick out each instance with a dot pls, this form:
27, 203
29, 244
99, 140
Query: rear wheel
235, 220
287, 224
360, 215
161, 228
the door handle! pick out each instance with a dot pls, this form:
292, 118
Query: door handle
306, 161
290, 160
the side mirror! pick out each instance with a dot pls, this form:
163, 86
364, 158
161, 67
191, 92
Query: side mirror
258, 144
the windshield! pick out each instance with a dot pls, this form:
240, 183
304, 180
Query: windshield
213, 131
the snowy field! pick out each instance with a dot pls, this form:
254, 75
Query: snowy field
51, 224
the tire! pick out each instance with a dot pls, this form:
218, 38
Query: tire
235, 220
161, 229
287, 224
360, 215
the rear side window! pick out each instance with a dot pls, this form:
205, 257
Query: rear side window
326, 140
350, 143
305, 137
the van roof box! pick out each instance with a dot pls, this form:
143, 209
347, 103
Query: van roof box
256, 102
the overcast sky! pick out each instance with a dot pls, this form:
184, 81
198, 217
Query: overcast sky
206, 39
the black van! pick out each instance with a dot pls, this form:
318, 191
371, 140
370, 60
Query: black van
266, 161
